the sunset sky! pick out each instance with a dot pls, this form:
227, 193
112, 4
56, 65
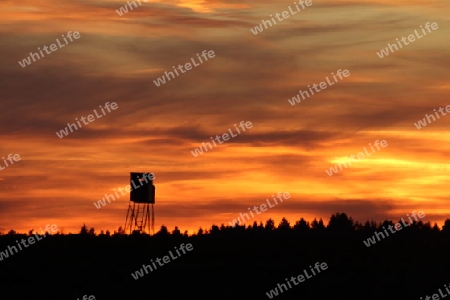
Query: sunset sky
154, 129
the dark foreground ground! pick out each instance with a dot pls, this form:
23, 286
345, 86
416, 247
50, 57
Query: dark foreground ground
232, 264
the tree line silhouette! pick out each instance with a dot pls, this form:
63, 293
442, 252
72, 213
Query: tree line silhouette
339, 223
228, 262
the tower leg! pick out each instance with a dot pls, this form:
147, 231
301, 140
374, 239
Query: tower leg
128, 215
147, 219
138, 218
131, 217
153, 219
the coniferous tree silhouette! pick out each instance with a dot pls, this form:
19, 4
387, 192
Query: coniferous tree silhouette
340, 223
446, 227
318, 226
284, 226
301, 226
163, 232
176, 232
84, 231
270, 225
